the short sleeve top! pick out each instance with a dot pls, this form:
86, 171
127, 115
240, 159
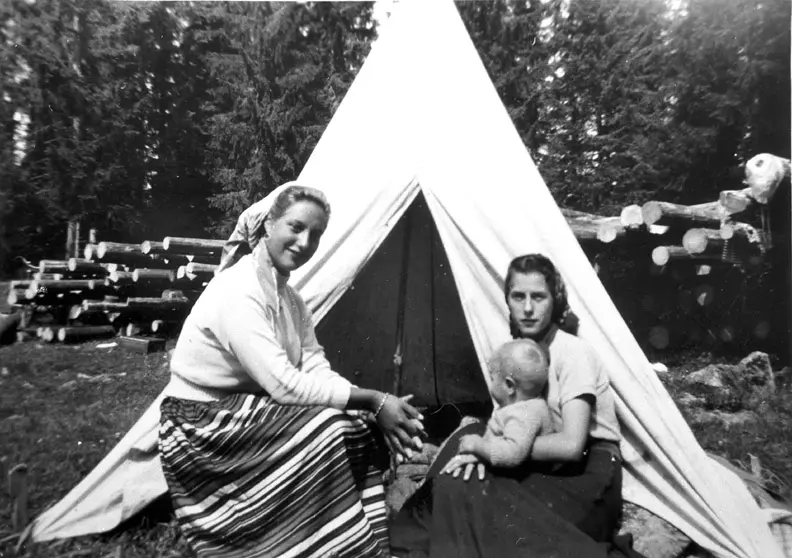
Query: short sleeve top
576, 370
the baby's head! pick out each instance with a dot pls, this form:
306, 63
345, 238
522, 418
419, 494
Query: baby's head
519, 371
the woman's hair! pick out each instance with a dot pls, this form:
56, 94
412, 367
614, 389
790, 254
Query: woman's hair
537, 263
293, 194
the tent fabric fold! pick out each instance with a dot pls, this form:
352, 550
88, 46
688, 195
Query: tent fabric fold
422, 116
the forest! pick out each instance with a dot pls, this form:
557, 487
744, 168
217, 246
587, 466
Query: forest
169, 118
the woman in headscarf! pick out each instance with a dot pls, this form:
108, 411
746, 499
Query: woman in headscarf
266, 450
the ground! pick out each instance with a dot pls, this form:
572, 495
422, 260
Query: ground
63, 407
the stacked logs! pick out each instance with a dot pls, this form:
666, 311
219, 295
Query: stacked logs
704, 256
116, 288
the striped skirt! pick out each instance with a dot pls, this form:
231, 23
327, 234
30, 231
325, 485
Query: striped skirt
249, 477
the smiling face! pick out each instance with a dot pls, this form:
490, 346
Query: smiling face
294, 237
530, 304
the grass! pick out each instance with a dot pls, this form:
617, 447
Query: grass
62, 408
768, 437
60, 416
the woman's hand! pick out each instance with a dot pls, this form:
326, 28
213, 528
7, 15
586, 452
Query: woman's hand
466, 462
401, 424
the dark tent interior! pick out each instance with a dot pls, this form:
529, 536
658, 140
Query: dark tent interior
405, 302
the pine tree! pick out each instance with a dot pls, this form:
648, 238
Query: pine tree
283, 70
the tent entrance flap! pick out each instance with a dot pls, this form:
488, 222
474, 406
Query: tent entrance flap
438, 360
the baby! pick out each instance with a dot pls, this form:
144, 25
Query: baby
519, 376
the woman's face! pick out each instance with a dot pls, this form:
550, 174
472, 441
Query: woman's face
294, 237
530, 304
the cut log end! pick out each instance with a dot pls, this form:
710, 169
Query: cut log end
661, 255
696, 241
704, 294
651, 212
607, 233
659, 337
632, 216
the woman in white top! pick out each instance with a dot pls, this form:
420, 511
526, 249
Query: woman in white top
266, 450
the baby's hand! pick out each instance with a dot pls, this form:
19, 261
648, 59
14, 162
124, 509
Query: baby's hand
468, 443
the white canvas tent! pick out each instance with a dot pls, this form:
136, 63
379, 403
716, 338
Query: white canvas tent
422, 121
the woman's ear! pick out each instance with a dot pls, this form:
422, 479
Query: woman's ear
266, 226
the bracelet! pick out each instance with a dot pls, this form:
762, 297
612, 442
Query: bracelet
381, 405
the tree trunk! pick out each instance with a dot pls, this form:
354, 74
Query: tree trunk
71, 238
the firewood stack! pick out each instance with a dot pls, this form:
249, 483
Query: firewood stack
725, 230
698, 249
149, 288
116, 288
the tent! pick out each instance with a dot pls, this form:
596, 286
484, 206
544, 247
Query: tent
422, 124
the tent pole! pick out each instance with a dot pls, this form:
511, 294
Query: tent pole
398, 355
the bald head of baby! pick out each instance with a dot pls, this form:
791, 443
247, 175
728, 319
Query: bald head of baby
519, 371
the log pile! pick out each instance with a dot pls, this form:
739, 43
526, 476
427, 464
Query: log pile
704, 258
115, 289
676, 252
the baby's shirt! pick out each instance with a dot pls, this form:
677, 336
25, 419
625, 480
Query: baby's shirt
512, 429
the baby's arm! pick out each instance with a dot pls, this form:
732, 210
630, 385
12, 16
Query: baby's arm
522, 423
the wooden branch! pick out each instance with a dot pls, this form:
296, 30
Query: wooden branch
583, 231
120, 278
201, 259
38, 276
89, 252
18, 490
143, 345
173, 294
42, 290
196, 246
661, 255
66, 284
699, 241
608, 231
743, 231
103, 306
735, 201
666, 213
201, 268
108, 250
54, 266
152, 247
80, 333
153, 275
17, 296
86, 267
161, 326
134, 328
